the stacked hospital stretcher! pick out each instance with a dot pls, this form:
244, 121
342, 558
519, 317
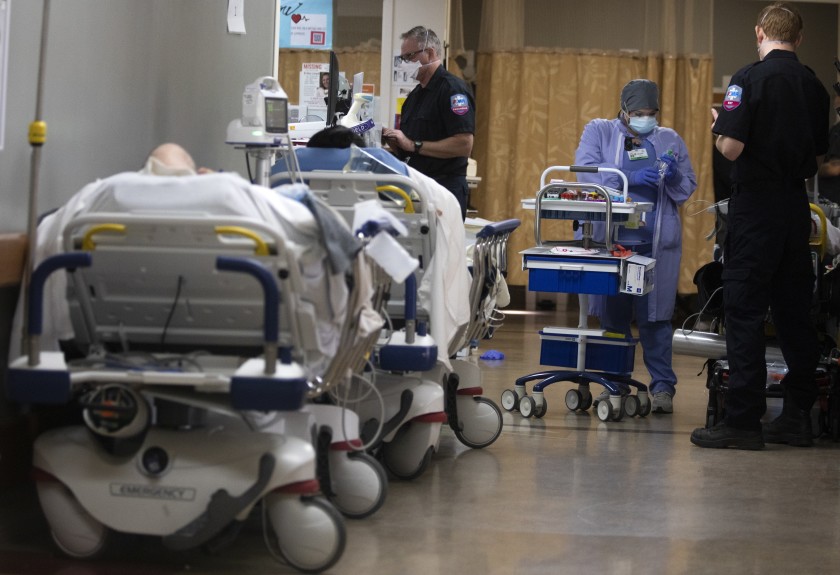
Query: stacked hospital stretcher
238, 359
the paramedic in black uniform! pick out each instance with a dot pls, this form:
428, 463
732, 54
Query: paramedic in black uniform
437, 121
773, 125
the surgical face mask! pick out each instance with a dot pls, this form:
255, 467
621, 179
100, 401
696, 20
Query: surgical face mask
412, 68
642, 124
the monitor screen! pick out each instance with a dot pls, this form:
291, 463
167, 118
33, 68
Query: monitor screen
276, 115
332, 98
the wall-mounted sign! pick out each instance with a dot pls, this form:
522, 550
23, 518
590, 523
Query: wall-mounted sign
306, 24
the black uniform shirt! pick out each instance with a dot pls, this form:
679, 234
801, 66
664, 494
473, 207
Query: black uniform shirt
779, 109
444, 108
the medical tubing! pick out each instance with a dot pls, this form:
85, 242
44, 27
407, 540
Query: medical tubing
271, 308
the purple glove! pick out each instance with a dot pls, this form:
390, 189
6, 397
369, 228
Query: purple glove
646, 177
672, 173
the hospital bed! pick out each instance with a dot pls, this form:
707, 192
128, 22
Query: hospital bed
448, 391
194, 298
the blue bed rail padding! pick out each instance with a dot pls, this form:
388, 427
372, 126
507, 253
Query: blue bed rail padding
38, 386
268, 394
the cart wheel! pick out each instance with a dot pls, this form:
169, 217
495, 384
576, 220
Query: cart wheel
644, 404
632, 406
586, 403
574, 399
527, 406
510, 400
543, 407
604, 410
618, 414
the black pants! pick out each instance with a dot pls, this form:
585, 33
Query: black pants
458, 186
767, 263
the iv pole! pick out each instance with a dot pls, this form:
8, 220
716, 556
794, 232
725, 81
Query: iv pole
37, 138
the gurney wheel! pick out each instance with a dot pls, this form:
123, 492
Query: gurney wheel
480, 421
74, 531
359, 482
510, 400
631, 406
417, 472
408, 454
527, 406
574, 400
309, 531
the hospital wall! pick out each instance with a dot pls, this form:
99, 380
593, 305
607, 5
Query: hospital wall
122, 76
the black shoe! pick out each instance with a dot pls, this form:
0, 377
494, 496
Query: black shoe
793, 427
721, 435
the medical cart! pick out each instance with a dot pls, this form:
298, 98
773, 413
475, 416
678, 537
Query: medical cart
584, 267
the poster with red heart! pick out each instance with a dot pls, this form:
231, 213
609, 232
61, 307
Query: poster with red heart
306, 24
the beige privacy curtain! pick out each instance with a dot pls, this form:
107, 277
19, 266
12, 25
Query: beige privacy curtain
533, 101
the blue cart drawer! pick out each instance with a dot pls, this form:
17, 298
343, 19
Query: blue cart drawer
608, 354
572, 275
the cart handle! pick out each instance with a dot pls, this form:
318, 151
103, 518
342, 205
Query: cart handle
587, 169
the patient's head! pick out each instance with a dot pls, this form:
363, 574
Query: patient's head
170, 160
335, 137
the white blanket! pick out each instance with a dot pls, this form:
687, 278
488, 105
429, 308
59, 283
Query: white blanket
445, 290
217, 194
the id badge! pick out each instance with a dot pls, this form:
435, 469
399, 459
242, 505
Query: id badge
637, 154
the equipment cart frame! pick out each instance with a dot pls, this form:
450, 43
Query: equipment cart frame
583, 267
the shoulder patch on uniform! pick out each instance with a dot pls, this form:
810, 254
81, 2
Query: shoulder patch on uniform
732, 99
459, 104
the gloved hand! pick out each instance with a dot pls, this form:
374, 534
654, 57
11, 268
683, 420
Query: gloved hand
647, 177
672, 173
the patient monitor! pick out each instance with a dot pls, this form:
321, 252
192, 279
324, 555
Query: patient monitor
265, 109
263, 129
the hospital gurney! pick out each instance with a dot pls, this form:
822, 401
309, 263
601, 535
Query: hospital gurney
150, 288
585, 268
474, 426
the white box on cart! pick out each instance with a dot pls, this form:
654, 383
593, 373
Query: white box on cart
637, 275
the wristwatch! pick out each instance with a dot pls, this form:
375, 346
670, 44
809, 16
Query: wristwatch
417, 145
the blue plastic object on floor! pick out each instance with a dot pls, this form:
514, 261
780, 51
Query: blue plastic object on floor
492, 354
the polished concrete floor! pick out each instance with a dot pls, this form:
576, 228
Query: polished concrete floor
563, 494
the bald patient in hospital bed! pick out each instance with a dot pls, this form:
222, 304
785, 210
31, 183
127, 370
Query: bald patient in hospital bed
444, 292
171, 183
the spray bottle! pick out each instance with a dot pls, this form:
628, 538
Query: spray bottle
662, 166
352, 119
